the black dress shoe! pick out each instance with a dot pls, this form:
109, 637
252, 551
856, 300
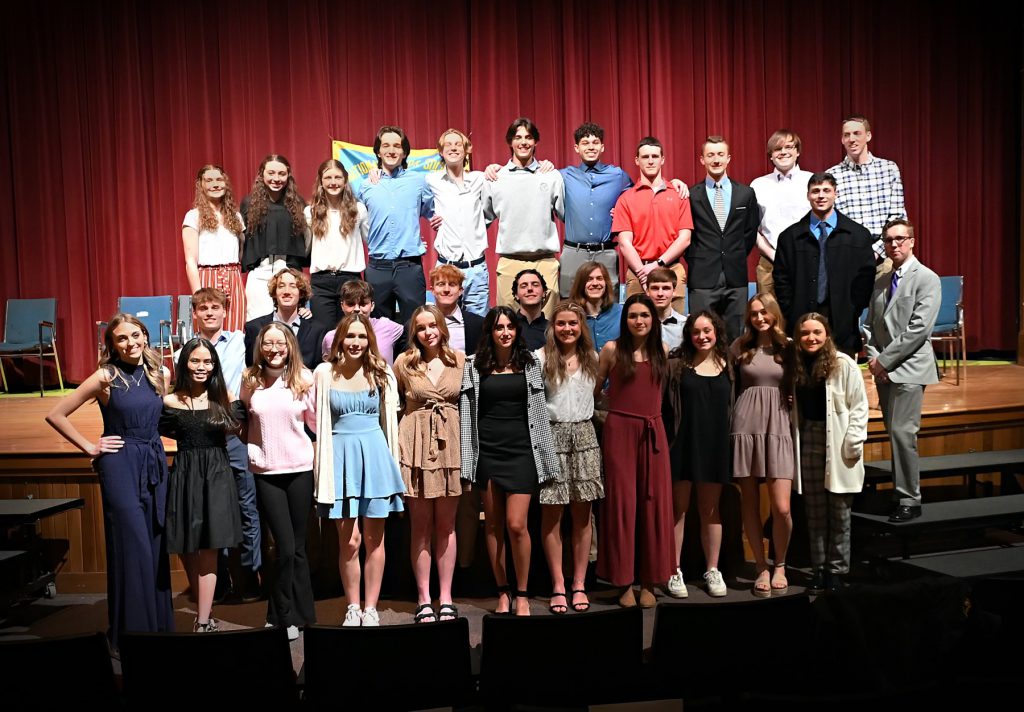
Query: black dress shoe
835, 583
817, 583
905, 512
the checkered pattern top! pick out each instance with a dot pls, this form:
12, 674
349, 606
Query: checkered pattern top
870, 194
544, 456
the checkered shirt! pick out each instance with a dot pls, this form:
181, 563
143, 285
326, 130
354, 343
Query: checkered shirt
871, 194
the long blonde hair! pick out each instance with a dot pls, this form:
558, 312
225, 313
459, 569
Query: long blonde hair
109, 354
319, 205
375, 368
415, 353
554, 364
293, 369
747, 344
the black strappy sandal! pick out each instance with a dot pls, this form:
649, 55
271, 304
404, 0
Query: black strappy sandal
584, 606
506, 590
559, 609
425, 614
515, 596
447, 612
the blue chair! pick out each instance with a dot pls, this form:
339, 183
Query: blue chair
751, 290
30, 329
949, 325
156, 314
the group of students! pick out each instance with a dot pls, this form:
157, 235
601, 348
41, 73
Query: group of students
507, 421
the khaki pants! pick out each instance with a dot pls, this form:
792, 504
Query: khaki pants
678, 302
765, 278
509, 267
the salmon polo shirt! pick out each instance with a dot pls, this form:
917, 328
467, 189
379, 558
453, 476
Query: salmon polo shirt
654, 216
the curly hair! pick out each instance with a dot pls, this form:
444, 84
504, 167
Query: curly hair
259, 198
320, 203
415, 353
554, 365
209, 220
824, 364
687, 351
109, 354
375, 368
652, 346
485, 360
746, 345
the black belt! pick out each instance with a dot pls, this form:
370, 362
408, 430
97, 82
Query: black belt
463, 264
592, 246
381, 261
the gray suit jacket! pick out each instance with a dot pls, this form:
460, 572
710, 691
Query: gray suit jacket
899, 329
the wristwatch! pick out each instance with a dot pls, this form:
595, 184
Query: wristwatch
661, 262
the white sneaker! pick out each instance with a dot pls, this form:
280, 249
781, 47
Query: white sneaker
293, 632
715, 583
353, 616
676, 586
371, 619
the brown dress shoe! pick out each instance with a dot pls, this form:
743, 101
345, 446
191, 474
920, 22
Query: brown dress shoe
627, 599
647, 599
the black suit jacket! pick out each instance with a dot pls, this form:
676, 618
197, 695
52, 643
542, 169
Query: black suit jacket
712, 250
851, 274
474, 328
311, 334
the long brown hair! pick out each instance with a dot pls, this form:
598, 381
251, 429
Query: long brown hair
319, 204
578, 292
484, 360
109, 354
652, 348
746, 345
208, 220
415, 353
293, 368
259, 199
554, 364
375, 368
824, 364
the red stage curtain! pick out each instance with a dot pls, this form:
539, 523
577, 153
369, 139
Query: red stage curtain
108, 108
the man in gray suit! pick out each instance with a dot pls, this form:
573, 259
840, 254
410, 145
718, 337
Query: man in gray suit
901, 315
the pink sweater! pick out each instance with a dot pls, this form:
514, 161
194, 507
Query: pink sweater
277, 441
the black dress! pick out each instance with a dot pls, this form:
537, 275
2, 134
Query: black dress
505, 453
702, 450
202, 499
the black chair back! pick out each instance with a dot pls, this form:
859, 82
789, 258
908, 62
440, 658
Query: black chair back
72, 672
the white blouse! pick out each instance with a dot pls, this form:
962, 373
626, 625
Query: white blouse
572, 400
335, 251
215, 248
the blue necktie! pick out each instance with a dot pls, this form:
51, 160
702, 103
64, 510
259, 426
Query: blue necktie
822, 271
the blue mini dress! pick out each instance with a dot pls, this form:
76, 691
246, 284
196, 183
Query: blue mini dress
367, 481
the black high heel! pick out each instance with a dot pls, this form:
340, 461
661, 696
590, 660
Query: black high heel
506, 590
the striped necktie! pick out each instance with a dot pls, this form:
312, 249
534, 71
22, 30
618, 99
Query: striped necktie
719, 206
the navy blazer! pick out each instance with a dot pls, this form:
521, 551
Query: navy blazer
714, 251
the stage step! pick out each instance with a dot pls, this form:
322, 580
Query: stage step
971, 563
967, 464
978, 513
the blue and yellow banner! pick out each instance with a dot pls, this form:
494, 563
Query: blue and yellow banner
360, 160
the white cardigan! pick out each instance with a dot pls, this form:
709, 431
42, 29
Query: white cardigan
323, 453
846, 429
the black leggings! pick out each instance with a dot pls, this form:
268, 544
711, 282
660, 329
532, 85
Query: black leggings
285, 502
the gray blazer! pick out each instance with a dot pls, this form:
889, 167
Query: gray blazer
541, 440
899, 329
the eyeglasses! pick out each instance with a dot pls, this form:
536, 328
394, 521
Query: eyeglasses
275, 346
895, 240
787, 147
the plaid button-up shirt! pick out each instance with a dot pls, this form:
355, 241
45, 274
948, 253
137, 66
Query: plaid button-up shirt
870, 194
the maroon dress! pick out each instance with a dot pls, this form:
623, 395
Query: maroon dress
636, 523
